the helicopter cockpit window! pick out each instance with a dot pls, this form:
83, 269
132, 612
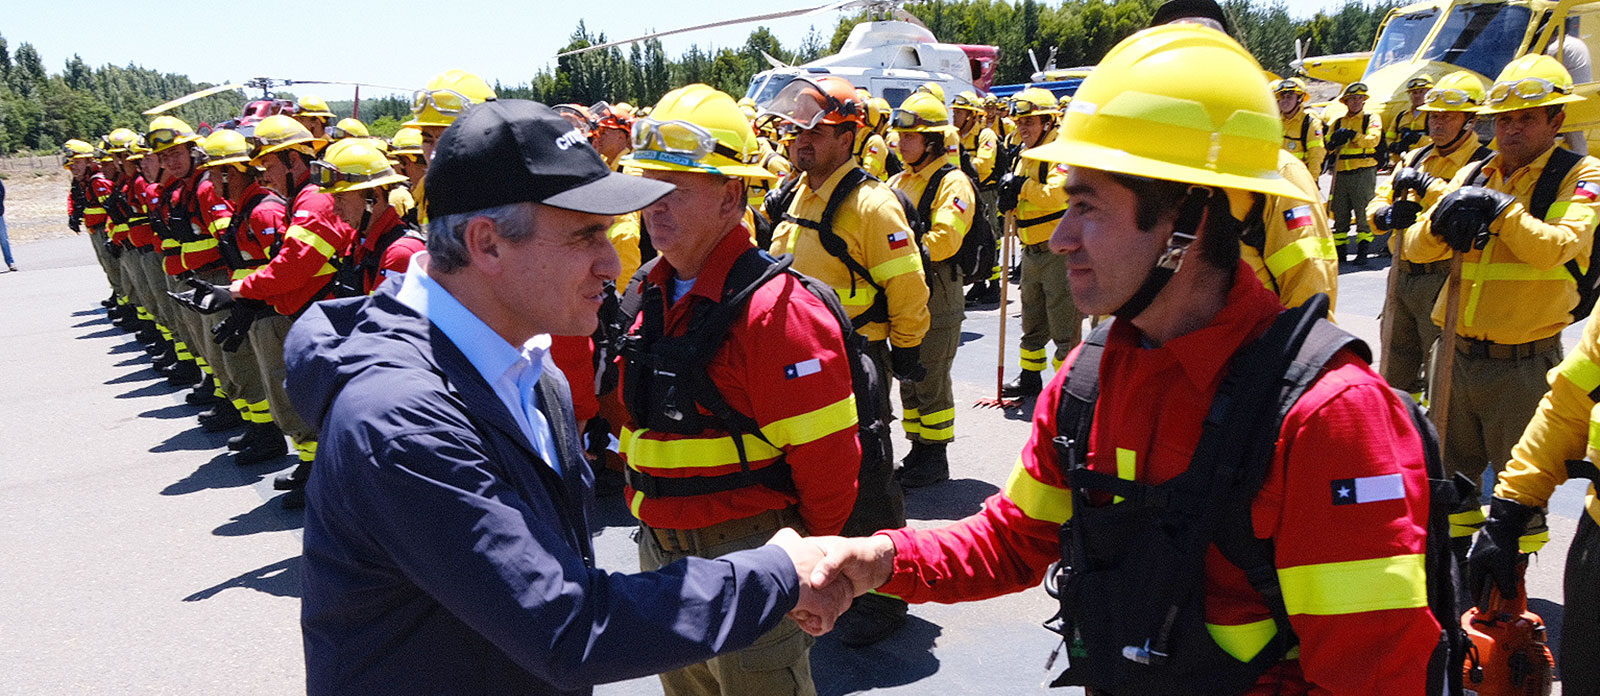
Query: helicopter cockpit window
896, 95
763, 92
1400, 39
1481, 38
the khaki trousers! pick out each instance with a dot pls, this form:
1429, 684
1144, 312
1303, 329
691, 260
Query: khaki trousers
1048, 313
929, 406
266, 338
1491, 402
1413, 333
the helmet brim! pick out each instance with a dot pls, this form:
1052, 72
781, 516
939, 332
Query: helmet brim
1077, 154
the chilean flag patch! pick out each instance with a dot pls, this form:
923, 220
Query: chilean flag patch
1061, 169
899, 240
1368, 489
961, 206
802, 368
1587, 190
1298, 217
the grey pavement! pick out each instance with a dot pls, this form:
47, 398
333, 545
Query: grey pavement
142, 560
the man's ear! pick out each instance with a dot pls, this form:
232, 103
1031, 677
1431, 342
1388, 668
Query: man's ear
483, 244
733, 196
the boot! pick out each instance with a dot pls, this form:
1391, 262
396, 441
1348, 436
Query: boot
294, 478
222, 416
261, 444
871, 618
205, 394
1361, 253
983, 293
294, 499
930, 466
109, 302
1028, 384
184, 374
164, 359
147, 334
256, 431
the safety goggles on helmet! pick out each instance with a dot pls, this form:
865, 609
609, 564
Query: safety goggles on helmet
327, 175
606, 117
903, 119
1026, 108
444, 101
576, 115
164, 137
337, 133
678, 138
1526, 89
1448, 96
803, 104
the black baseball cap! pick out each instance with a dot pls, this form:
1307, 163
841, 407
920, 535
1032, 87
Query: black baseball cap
515, 151
1174, 10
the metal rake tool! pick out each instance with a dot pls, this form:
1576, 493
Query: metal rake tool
1006, 248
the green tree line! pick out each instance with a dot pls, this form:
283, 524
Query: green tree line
39, 110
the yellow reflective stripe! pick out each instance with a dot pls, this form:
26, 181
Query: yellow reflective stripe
311, 239
938, 434
1566, 211
633, 505
1032, 359
861, 297
1512, 271
1532, 542
1351, 587
94, 211
909, 263
219, 224
1037, 499
689, 453
169, 243
813, 426
202, 245
1582, 372
951, 219
1127, 467
938, 417
1467, 522
1243, 641
1299, 251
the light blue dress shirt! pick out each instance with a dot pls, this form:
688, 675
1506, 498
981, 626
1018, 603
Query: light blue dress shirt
513, 373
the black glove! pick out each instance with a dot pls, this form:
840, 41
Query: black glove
231, 332
1010, 191
113, 248
1380, 218
1409, 139
1462, 218
1494, 555
596, 437
1411, 179
1402, 214
1339, 137
204, 297
907, 363
74, 223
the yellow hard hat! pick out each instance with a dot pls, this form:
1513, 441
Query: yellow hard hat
697, 129
1177, 102
226, 146
1293, 84
102, 153
121, 139
75, 149
1035, 101
1458, 91
1419, 82
1532, 80
313, 106
168, 131
921, 112
354, 164
933, 88
279, 132
747, 101
1064, 101
348, 128
967, 100
446, 96
406, 141
877, 110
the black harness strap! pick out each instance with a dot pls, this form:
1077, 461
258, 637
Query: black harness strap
840, 250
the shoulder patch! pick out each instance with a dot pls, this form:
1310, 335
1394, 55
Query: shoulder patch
1587, 190
899, 239
960, 205
1297, 217
802, 368
1368, 489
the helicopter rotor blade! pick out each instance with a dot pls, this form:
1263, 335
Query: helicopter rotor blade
339, 82
905, 16
840, 5
185, 99
774, 62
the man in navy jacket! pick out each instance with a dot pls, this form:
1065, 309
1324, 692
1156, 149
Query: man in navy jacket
446, 540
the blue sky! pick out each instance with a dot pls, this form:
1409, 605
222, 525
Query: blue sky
399, 42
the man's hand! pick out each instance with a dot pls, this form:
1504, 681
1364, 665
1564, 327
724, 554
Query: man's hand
1339, 137
1495, 553
205, 298
1010, 191
1380, 218
864, 563
906, 363
113, 248
1463, 216
1411, 179
1402, 214
75, 224
819, 605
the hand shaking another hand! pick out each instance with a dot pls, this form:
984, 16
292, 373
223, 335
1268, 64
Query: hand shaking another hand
834, 571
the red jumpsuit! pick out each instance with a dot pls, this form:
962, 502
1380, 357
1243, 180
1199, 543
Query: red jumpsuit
1351, 573
255, 237
299, 274
394, 259
94, 208
787, 368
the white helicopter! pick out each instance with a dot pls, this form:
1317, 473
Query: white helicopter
889, 57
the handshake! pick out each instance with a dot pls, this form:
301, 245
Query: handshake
833, 571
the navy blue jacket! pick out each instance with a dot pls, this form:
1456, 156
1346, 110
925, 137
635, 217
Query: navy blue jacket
443, 556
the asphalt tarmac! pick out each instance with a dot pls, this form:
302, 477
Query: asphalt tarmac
140, 559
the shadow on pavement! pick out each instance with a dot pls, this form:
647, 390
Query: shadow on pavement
92, 322
610, 511
969, 336
269, 516
156, 389
128, 347
104, 333
1374, 263
217, 472
951, 500
193, 439
87, 312
148, 373
168, 412
135, 360
281, 579
903, 658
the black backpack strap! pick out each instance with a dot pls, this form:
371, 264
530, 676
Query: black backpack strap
925, 202
1482, 153
1548, 187
1075, 407
840, 250
1305, 133
1420, 155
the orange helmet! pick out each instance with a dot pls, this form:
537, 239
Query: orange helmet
605, 115
808, 101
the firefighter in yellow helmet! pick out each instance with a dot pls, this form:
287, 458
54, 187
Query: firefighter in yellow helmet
347, 128
405, 148
358, 174
933, 88
1302, 131
448, 94
1517, 292
978, 157
879, 277
1353, 139
872, 150
946, 205
313, 113
1408, 129
1036, 191
1409, 333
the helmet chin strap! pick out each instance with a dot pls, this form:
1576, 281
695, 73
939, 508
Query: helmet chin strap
1184, 231
1451, 146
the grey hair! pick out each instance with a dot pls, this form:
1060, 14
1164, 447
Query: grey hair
447, 246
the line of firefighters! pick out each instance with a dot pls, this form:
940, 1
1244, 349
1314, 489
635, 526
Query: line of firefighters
260, 227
